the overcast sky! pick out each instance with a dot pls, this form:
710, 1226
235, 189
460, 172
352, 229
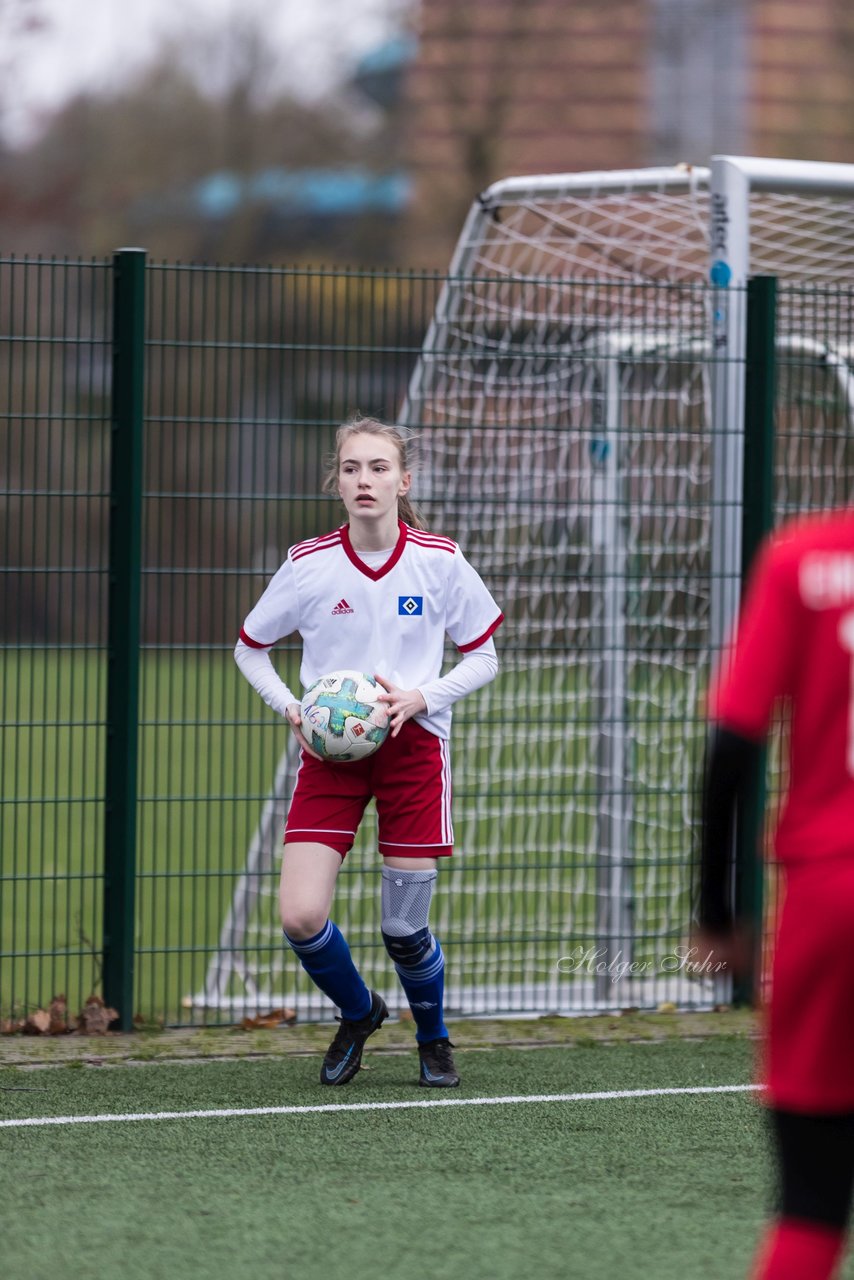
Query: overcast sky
93, 43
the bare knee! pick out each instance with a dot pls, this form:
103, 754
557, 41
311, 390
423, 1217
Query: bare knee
309, 873
302, 920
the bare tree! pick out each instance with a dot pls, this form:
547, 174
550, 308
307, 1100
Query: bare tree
124, 165
472, 83
21, 22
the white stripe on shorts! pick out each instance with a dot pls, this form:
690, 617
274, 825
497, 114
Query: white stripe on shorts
319, 831
447, 824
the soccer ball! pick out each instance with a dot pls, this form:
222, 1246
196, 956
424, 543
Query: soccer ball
342, 718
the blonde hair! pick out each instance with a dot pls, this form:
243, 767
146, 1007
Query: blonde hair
359, 426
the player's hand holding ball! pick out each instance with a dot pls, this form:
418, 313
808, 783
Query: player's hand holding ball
402, 704
294, 718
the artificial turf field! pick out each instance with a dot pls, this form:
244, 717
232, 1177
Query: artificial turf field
657, 1186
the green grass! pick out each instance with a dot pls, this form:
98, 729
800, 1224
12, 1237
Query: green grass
664, 1188
208, 748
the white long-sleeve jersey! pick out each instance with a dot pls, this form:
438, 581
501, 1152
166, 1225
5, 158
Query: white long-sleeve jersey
389, 620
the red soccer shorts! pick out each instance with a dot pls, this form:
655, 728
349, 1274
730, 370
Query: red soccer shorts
809, 1050
410, 779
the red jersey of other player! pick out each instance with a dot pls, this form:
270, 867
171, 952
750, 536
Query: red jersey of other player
795, 646
796, 641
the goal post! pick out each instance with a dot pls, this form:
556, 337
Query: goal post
792, 219
577, 407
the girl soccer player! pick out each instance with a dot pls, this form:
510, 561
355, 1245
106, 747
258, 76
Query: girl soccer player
379, 595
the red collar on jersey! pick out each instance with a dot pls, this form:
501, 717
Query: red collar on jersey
374, 574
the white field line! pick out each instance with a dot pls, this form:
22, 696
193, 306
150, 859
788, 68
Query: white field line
229, 1113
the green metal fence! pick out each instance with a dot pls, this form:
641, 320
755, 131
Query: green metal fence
161, 441
56, 352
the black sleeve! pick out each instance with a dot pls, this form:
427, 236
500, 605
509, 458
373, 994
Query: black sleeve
730, 768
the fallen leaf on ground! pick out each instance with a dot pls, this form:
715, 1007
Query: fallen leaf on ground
58, 1012
95, 1017
275, 1018
38, 1023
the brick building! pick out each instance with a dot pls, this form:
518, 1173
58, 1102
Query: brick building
503, 87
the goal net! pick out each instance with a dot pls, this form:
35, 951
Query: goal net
578, 409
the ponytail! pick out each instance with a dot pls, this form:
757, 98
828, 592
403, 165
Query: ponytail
408, 513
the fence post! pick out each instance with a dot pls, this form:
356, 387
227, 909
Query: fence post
123, 631
757, 521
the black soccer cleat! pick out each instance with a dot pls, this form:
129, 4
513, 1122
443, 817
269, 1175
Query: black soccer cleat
437, 1065
344, 1055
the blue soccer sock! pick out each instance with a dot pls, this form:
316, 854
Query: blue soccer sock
424, 985
327, 961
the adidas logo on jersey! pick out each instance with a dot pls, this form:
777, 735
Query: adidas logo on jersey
342, 607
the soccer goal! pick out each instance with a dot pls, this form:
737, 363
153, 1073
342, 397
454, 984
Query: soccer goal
578, 405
